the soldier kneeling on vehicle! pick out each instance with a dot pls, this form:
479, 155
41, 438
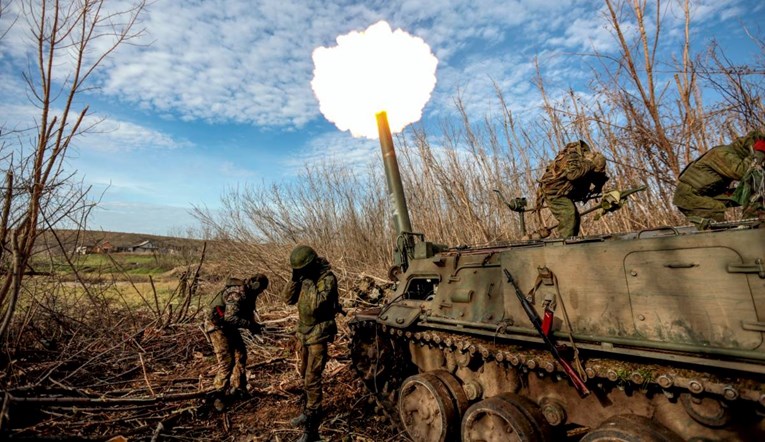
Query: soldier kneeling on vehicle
703, 192
576, 173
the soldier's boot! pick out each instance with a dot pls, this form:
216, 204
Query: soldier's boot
311, 428
220, 405
309, 436
300, 420
219, 401
238, 394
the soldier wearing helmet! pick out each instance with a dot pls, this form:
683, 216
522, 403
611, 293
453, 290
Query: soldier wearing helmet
573, 176
703, 190
313, 287
233, 309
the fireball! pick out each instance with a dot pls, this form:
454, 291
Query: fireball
372, 71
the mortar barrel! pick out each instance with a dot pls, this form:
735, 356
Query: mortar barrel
393, 176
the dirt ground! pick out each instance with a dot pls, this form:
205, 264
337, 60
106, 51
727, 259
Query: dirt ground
159, 364
276, 399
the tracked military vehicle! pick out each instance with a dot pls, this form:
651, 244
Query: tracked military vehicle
654, 335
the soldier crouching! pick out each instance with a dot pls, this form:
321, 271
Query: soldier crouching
232, 309
573, 176
703, 187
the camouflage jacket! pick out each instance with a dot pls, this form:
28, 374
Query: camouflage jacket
714, 171
571, 175
233, 308
317, 301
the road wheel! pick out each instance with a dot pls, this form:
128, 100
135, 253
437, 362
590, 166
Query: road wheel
630, 428
505, 417
427, 409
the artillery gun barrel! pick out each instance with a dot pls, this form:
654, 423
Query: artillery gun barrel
393, 176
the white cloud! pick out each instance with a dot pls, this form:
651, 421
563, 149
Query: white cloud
112, 135
714, 10
337, 148
151, 219
98, 133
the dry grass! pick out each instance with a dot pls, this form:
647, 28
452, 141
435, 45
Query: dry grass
101, 359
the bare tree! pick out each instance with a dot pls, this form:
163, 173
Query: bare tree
740, 86
71, 39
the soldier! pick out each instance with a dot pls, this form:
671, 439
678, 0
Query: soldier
232, 309
702, 192
574, 175
314, 288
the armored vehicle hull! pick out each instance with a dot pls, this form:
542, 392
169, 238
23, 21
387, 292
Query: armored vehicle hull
648, 336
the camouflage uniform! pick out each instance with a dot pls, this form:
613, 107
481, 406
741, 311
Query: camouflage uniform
572, 176
314, 289
703, 188
316, 296
232, 309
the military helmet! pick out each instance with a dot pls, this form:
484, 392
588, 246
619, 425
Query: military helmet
301, 257
579, 145
234, 282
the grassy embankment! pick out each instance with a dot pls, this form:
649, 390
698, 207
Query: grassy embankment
132, 281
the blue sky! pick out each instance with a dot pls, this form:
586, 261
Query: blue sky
218, 92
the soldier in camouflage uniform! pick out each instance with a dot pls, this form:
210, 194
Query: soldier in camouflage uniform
703, 188
232, 309
313, 288
576, 173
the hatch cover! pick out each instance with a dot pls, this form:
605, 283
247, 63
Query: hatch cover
687, 296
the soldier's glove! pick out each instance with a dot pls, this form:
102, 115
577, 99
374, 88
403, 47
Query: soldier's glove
256, 328
610, 202
700, 222
759, 158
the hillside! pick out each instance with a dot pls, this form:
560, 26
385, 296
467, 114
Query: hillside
71, 239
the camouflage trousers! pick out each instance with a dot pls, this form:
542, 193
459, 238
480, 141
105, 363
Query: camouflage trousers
232, 359
692, 204
564, 210
312, 363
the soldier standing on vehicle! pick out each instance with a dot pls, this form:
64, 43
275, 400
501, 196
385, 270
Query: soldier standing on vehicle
703, 188
232, 309
574, 175
313, 287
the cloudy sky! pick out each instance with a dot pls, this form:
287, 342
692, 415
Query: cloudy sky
217, 93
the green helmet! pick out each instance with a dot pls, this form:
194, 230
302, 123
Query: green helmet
301, 257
